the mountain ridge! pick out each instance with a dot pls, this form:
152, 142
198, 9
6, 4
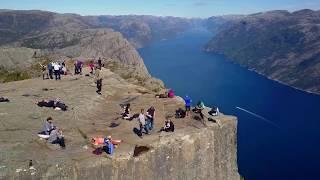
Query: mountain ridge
281, 45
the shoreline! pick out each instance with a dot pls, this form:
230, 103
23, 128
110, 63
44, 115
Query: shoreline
261, 74
283, 83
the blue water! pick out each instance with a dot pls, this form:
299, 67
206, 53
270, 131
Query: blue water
284, 144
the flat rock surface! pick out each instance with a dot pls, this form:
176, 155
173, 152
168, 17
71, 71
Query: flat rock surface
89, 115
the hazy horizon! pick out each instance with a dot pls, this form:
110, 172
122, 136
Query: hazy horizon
186, 9
231, 14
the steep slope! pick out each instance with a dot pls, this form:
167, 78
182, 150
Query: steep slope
60, 36
218, 23
280, 45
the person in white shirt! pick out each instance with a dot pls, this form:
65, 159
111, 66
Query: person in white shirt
142, 122
56, 68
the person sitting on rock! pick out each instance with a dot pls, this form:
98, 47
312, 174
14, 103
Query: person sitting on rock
214, 111
180, 113
48, 127
126, 112
199, 107
171, 93
168, 126
163, 95
2, 99
109, 147
56, 137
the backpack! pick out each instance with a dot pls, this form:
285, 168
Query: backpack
180, 113
171, 126
62, 106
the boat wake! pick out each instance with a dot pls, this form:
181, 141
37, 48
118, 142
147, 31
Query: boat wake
258, 116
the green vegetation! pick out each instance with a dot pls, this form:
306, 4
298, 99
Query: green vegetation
13, 75
9, 75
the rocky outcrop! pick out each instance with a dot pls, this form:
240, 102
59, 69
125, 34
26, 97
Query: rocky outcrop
280, 45
196, 150
16, 57
57, 36
209, 153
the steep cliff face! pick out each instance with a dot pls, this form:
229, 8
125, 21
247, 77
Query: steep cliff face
205, 153
280, 45
208, 153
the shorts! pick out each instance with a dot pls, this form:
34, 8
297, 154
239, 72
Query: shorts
187, 108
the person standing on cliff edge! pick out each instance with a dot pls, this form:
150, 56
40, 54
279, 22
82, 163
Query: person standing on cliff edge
98, 79
188, 102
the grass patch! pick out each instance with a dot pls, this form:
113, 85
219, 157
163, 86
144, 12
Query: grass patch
9, 75
13, 75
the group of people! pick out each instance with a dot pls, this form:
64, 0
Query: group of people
78, 65
169, 93
52, 133
53, 68
146, 120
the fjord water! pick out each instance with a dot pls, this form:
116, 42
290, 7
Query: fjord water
282, 144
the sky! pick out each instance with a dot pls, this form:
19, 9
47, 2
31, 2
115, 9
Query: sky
180, 8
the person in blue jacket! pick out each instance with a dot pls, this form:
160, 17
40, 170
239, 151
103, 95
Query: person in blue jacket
50, 70
188, 102
109, 147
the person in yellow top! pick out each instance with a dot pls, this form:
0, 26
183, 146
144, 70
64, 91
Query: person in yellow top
44, 71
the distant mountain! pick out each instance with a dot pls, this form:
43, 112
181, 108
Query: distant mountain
22, 33
218, 23
280, 45
140, 30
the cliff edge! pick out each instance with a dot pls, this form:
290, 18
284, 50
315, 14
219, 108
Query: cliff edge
196, 150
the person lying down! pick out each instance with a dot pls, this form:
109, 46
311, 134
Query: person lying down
56, 104
2, 99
